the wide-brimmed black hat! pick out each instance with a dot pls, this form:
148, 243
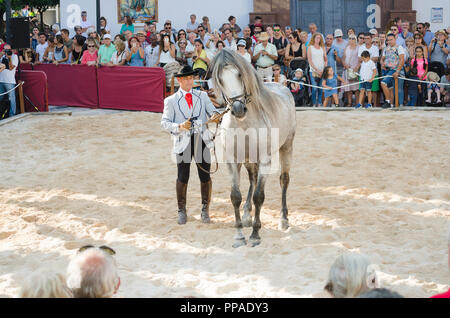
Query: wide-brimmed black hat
186, 71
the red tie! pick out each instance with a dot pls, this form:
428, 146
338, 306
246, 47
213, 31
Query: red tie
189, 99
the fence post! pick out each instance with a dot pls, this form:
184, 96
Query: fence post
396, 92
21, 102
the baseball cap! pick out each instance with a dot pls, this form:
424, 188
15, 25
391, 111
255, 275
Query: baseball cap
242, 43
338, 33
107, 36
373, 31
298, 70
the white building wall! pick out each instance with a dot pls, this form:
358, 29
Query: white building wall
423, 9
178, 11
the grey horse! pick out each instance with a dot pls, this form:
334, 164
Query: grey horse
263, 116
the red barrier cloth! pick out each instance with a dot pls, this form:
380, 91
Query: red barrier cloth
71, 85
131, 88
35, 88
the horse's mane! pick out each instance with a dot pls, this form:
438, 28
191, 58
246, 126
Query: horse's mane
262, 99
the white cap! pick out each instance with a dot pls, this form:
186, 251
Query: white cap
373, 31
242, 43
107, 36
298, 70
338, 32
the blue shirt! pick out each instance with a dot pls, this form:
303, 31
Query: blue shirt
428, 37
331, 57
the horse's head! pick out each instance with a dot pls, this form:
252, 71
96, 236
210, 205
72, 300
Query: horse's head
234, 92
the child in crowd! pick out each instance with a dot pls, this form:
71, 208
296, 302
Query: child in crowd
414, 88
433, 77
368, 72
297, 89
420, 63
329, 84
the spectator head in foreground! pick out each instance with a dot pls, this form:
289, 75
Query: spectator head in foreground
350, 276
45, 284
381, 293
93, 273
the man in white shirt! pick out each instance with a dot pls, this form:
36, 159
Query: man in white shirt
374, 52
190, 48
41, 47
192, 26
230, 42
8, 77
202, 36
152, 52
265, 56
85, 24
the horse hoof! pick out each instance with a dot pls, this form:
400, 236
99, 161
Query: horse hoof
254, 242
239, 243
247, 222
284, 225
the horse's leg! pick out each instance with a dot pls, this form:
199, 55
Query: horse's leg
252, 169
285, 163
258, 200
236, 199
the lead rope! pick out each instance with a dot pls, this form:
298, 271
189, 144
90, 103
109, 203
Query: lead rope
214, 139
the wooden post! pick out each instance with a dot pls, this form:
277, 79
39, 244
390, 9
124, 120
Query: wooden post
396, 93
21, 102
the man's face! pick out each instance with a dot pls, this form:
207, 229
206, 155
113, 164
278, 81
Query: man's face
329, 40
448, 77
107, 42
128, 34
258, 21
186, 82
288, 32
277, 31
405, 26
141, 38
153, 40
84, 16
228, 34
152, 28
168, 27
233, 21
247, 32
391, 40
79, 31
201, 31
258, 30
420, 28
42, 39
368, 40
193, 18
312, 28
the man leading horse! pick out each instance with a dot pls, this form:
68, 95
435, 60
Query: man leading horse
185, 117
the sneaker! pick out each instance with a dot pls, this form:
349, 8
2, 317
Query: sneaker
358, 106
368, 106
386, 105
333, 105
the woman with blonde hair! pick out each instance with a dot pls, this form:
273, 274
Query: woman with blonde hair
90, 56
119, 57
350, 276
45, 284
317, 59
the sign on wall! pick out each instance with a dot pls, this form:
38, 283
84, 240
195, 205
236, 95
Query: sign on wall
437, 15
138, 10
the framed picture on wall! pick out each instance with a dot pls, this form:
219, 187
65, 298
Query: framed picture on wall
138, 10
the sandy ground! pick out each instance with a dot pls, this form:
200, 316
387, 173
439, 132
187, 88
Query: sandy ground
377, 183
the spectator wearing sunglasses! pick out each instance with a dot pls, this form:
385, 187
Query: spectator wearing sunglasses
93, 273
90, 56
128, 25
168, 30
45, 284
420, 42
152, 52
398, 39
426, 34
202, 36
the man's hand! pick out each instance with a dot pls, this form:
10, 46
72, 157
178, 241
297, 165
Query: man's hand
215, 118
395, 75
186, 126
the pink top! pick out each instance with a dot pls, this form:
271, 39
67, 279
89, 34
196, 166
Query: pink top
88, 57
420, 67
444, 295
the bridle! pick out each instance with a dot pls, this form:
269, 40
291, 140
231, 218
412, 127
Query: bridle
243, 99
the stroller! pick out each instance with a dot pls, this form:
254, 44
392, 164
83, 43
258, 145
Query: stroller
303, 97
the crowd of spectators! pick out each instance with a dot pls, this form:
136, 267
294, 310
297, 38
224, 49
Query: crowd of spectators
403, 50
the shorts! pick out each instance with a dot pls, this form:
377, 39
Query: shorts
367, 86
389, 81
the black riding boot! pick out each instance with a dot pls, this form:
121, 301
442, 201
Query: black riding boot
181, 197
206, 189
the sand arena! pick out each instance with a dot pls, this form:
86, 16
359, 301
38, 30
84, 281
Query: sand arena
373, 182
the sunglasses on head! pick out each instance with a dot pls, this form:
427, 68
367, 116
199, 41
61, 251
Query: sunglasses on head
104, 248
